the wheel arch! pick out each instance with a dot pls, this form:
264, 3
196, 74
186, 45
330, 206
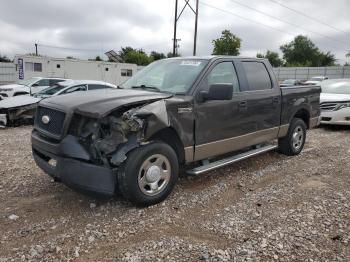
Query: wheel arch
303, 114
171, 137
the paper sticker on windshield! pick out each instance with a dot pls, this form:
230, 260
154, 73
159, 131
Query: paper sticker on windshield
190, 63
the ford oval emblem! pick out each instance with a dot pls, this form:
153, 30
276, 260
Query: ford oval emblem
45, 119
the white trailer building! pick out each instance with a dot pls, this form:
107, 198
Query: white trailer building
28, 66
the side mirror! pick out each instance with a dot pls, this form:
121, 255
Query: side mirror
36, 84
217, 92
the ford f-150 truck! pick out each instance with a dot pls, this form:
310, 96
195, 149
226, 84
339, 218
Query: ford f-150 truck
199, 113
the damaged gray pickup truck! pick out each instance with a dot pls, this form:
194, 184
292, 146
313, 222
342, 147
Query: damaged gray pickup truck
199, 113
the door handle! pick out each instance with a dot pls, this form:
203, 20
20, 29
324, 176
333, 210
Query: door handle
275, 100
243, 104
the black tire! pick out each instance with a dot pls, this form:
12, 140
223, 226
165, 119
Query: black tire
286, 144
130, 171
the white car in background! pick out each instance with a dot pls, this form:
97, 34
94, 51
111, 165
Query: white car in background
29, 86
21, 109
315, 80
335, 102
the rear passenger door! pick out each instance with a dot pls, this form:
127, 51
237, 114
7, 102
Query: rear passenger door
264, 99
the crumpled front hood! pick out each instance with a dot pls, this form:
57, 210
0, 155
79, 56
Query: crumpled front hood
18, 101
327, 97
101, 102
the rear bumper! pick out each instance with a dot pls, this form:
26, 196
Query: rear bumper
339, 117
76, 174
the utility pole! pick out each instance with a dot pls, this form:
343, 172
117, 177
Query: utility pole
195, 25
177, 46
175, 25
195, 31
36, 49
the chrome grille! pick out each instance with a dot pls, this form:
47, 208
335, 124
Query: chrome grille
328, 106
55, 124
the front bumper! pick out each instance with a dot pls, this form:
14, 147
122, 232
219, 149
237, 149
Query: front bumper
71, 165
338, 117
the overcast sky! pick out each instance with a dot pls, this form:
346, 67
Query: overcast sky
97, 26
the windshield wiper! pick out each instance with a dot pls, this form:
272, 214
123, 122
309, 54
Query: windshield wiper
147, 87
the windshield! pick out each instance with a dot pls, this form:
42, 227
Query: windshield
169, 75
336, 86
28, 82
316, 78
49, 91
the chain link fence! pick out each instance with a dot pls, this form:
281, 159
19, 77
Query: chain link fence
7, 73
305, 73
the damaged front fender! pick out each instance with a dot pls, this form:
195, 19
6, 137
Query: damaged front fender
111, 138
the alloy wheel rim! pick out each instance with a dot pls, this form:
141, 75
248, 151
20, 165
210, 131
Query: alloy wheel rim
298, 137
154, 174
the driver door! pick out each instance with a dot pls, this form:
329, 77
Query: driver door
218, 120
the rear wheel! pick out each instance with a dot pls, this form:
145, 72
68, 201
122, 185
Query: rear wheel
294, 141
149, 174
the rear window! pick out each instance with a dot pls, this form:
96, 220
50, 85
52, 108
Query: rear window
95, 87
257, 76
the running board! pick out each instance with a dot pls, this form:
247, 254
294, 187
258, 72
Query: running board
230, 160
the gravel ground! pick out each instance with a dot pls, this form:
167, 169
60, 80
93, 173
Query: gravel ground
268, 208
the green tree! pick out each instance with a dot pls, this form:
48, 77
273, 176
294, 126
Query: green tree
327, 59
273, 58
303, 52
134, 56
227, 44
97, 58
170, 55
5, 59
157, 56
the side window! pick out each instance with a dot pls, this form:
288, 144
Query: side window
95, 87
55, 81
29, 66
74, 89
223, 73
38, 67
257, 76
126, 72
42, 82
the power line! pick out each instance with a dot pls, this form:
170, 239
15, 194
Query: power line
250, 20
289, 23
309, 17
69, 48
244, 18
93, 50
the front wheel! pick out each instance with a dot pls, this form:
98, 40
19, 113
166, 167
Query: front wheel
294, 141
149, 174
